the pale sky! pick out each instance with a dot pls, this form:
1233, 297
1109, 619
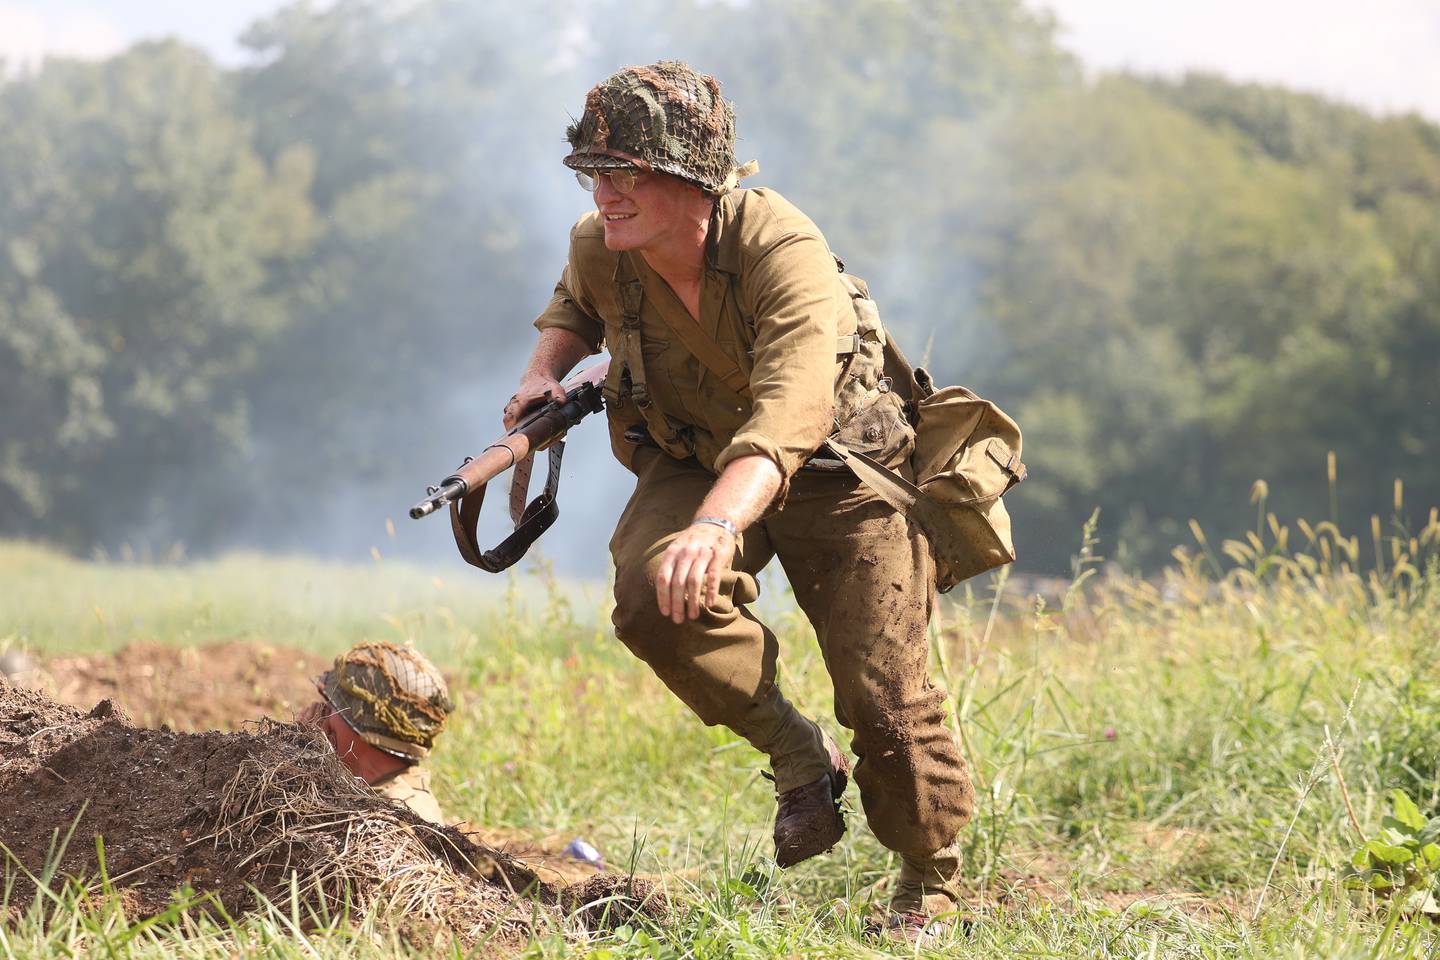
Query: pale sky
1380, 54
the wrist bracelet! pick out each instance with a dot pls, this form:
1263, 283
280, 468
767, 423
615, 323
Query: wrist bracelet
720, 522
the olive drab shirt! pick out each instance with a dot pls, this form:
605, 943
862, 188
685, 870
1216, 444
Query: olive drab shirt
773, 300
412, 788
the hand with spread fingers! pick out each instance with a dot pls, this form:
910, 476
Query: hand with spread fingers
689, 575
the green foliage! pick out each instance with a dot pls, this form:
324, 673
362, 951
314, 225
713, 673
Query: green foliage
141, 230
1403, 862
217, 286
1182, 312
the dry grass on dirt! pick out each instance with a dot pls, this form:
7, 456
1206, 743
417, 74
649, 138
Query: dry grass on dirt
234, 816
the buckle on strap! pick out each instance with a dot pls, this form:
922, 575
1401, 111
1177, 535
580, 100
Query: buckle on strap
631, 378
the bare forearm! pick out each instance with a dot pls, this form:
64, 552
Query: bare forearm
556, 354
745, 488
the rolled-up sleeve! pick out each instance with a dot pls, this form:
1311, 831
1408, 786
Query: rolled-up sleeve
796, 302
569, 308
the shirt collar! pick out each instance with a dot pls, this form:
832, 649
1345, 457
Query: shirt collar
723, 245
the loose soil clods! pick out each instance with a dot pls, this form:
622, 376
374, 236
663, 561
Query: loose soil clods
231, 815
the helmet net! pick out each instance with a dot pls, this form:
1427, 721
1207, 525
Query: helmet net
391, 690
667, 114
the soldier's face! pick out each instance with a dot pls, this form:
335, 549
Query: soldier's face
658, 211
344, 739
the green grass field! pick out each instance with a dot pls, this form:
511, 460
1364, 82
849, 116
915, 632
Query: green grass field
1158, 765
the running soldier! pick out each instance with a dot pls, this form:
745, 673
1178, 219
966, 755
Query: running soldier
735, 352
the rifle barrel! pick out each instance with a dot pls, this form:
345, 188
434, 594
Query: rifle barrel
452, 489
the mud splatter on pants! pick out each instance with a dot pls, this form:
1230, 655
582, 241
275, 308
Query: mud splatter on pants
864, 577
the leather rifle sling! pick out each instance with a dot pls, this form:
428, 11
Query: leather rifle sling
520, 487
530, 523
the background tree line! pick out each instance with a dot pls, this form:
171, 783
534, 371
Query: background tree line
262, 306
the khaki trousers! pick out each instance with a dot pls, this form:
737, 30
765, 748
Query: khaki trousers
864, 577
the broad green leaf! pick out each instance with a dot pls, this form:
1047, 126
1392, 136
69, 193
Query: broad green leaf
1396, 833
1406, 811
740, 888
1389, 853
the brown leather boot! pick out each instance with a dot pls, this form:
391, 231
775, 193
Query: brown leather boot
808, 820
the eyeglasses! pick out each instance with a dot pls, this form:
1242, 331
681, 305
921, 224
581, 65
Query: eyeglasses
623, 180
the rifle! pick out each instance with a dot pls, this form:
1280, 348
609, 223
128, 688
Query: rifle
464, 490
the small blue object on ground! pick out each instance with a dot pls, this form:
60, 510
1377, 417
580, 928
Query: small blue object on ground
580, 850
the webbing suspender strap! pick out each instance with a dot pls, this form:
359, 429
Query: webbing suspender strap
530, 522
632, 296
630, 354
909, 500
627, 369
631, 361
707, 351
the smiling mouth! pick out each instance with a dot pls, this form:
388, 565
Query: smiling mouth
613, 217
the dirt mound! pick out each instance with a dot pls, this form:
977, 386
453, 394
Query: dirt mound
216, 687
233, 814
608, 901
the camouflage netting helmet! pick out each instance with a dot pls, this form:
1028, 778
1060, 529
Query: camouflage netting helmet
668, 115
392, 696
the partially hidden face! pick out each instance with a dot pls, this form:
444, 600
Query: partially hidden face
344, 739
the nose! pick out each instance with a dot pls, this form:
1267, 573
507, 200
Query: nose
605, 191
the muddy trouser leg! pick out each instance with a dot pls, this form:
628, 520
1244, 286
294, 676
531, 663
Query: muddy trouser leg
864, 577
721, 665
